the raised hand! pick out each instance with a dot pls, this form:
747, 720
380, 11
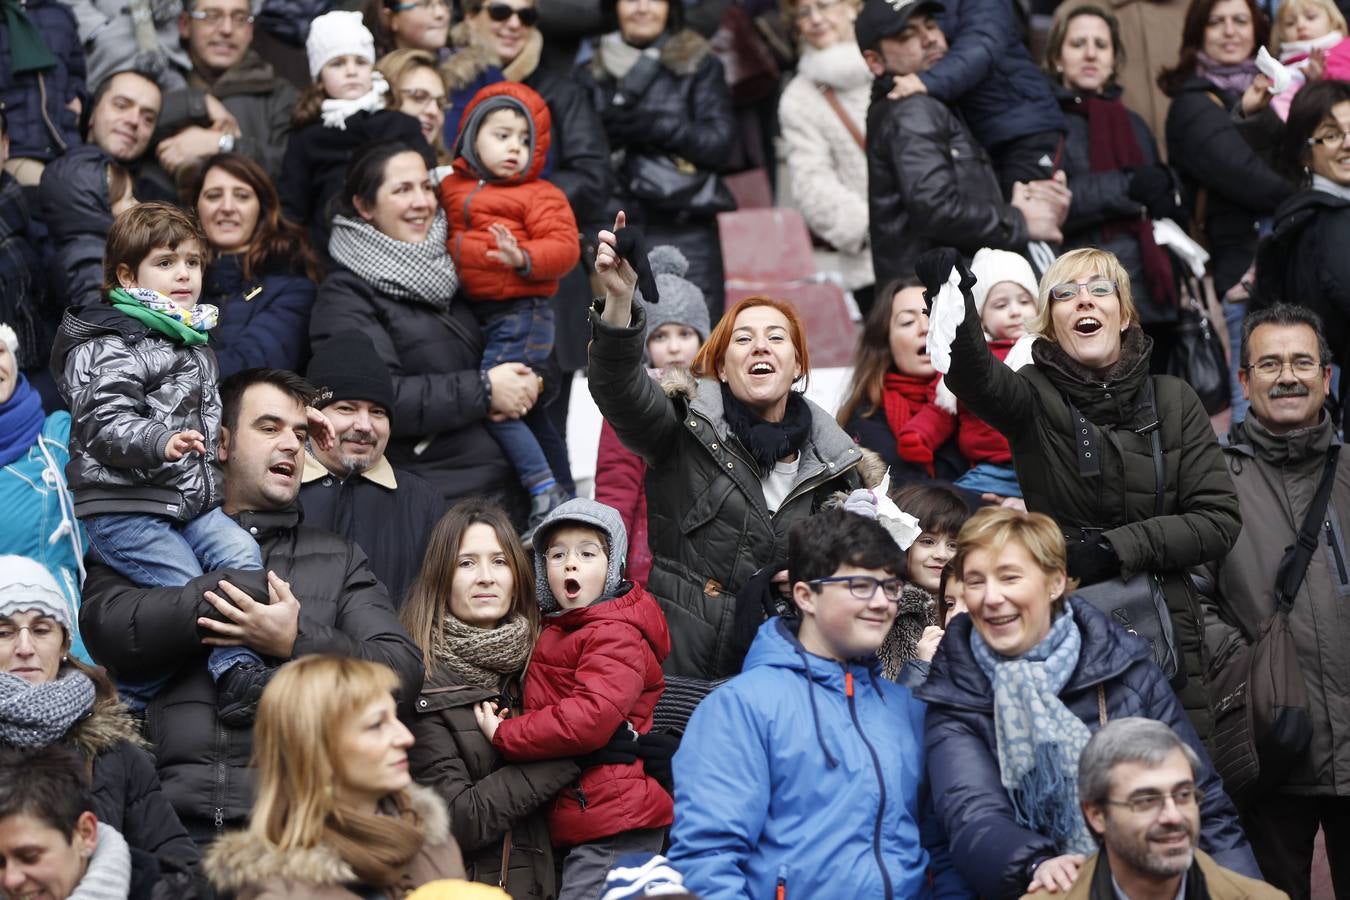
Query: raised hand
508, 251
183, 443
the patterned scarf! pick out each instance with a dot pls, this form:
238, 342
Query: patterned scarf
335, 113
37, 715
1235, 77
154, 310
903, 395
484, 656
1039, 739
420, 272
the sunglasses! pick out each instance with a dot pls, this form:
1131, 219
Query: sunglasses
500, 12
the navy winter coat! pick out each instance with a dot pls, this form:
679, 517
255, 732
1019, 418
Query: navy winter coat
264, 320
38, 129
995, 854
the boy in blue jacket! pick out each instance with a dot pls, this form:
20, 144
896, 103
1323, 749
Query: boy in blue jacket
804, 776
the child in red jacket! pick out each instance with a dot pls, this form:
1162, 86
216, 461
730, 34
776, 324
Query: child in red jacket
596, 666
512, 237
1006, 297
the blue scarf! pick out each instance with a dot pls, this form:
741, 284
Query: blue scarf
21, 419
1039, 739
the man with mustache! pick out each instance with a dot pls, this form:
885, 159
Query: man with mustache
1277, 456
350, 489
1136, 784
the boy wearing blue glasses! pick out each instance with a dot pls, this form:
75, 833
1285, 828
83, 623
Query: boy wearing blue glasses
804, 776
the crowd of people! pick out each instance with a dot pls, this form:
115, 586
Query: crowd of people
300, 595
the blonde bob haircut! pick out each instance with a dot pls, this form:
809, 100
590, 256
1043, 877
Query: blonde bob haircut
993, 527
1077, 265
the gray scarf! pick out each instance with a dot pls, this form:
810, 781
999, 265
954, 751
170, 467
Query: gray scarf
618, 56
109, 874
484, 656
423, 272
1327, 186
38, 715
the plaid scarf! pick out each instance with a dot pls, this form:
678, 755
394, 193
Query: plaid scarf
421, 272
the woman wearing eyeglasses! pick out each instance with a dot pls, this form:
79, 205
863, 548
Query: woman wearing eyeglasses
420, 91
409, 25
1017, 687
1306, 260
1079, 421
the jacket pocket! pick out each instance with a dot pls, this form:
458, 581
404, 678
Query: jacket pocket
707, 504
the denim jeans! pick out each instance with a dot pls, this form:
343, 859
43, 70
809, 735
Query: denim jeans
522, 331
1232, 315
156, 552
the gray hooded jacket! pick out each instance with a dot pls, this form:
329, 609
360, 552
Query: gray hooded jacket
590, 514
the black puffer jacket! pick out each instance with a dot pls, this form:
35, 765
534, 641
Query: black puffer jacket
1100, 198
140, 632
78, 213
709, 527
930, 184
1227, 160
440, 408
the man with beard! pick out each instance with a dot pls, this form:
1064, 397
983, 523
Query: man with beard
1277, 456
1136, 784
351, 489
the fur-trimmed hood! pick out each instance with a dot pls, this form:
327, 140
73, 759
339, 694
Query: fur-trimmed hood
681, 54
242, 859
107, 725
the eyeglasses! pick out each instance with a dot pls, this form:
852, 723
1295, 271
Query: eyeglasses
558, 557
1100, 287
1152, 804
41, 631
420, 4
500, 12
422, 97
806, 10
1335, 139
214, 17
1303, 367
864, 587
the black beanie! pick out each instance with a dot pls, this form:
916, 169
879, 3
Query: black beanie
346, 367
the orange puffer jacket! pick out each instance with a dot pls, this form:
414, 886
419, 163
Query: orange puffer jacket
536, 211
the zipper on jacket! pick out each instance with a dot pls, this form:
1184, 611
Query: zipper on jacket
205, 462
469, 199
780, 889
581, 798
218, 819
881, 784
1336, 550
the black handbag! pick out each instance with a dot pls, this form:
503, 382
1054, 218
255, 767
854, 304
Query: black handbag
1198, 358
1137, 604
674, 185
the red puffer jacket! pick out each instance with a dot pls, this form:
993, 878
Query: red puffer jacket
620, 482
593, 669
536, 211
932, 426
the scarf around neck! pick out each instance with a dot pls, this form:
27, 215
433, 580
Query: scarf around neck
618, 56
767, 442
1235, 77
483, 657
109, 874
335, 113
1039, 739
1297, 52
422, 272
21, 419
38, 715
902, 395
28, 50
157, 312
1327, 186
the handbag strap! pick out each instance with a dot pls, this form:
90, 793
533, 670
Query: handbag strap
1294, 564
506, 859
831, 98
1101, 704
1089, 459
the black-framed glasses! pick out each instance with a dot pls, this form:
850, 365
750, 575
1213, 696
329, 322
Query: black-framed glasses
1152, 803
863, 587
1097, 287
214, 17
1303, 367
1333, 140
500, 12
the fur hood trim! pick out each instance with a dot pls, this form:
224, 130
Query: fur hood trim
242, 859
678, 381
470, 59
107, 725
681, 54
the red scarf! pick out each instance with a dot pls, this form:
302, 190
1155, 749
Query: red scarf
1112, 146
902, 395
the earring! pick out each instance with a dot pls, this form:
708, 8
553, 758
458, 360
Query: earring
1059, 69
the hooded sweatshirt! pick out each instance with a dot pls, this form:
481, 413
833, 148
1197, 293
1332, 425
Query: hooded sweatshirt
536, 211
593, 668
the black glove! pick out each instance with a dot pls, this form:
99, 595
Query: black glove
1092, 561
630, 244
656, 749
625, 125
622, 750
934, 267
1153, 187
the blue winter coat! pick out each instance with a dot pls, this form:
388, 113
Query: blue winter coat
38, 129
991, 850
989, 74
264, 320
807, 773
39, 520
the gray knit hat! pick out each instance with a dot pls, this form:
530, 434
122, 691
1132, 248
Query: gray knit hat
591, 514
26, 585
681, 300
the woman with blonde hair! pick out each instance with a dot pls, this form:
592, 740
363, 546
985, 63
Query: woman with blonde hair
337, 814
420, 90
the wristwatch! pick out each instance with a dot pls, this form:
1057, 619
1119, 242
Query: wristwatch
226, 142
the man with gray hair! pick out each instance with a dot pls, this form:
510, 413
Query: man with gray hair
1136, 784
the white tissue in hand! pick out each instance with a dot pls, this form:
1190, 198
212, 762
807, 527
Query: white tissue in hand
903, 527
1279, 74
949, 309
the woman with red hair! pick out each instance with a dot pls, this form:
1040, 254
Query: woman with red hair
735, 455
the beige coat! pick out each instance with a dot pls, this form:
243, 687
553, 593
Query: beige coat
1223, 884
252, 868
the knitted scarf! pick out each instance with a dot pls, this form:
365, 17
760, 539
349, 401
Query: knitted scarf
902, 395
423, 272
109, 874
767, 442
617, 55
21, 419
159, 313
37, 715
1235, 77
28, 51
1039, 739
1113, 147
917, 611
335, 113
484, 656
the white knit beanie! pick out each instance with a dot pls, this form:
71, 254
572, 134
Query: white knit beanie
335, 34
991, 267
26, 585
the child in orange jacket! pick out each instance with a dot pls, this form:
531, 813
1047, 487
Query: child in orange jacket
512, 237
